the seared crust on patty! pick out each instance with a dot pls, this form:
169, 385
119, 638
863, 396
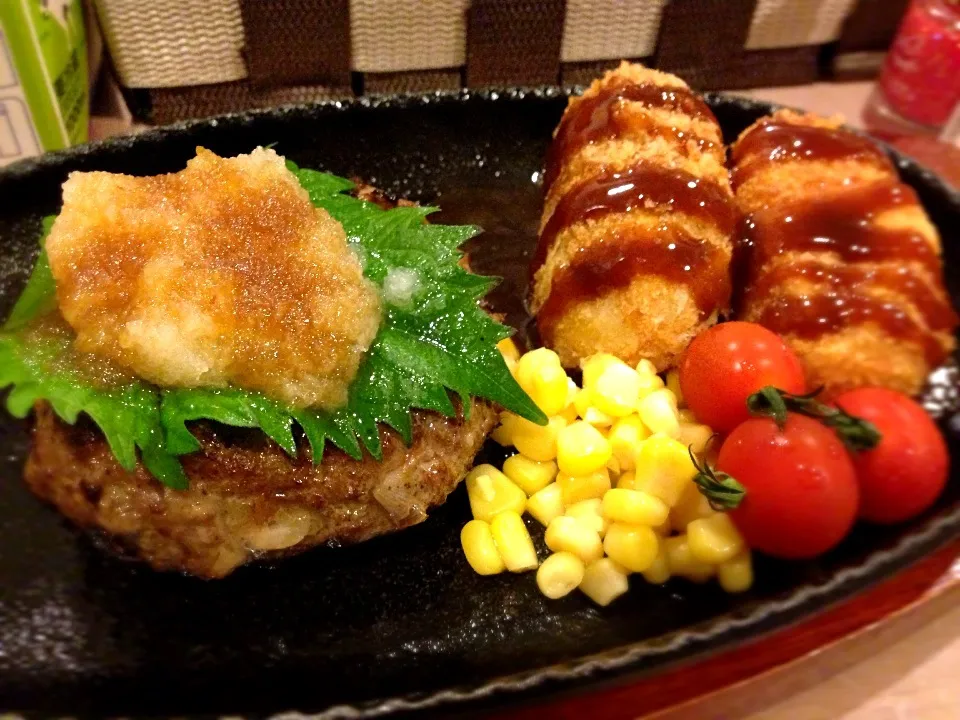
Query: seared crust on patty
248, 499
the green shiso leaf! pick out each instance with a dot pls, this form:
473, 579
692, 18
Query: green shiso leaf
438, 343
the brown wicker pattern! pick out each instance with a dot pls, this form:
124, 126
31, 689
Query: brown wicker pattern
167, 105
789, 23
169, 44
291, 42
247, 53
391, 36
414, 81
514, 42
610, 29
699, 37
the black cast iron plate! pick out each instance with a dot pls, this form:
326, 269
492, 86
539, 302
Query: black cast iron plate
400, 623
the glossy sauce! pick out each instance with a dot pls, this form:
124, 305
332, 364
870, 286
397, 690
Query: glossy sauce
779, 142
616, 261
596, 118
644, 185
845, 225
843, 305
847, 294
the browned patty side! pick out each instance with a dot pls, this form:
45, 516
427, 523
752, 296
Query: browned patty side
248, 499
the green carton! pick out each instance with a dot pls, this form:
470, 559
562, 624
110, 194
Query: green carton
44, 103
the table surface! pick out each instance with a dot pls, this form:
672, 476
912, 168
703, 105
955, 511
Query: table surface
905, 668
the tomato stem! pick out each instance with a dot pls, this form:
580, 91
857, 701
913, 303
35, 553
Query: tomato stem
856, 433
721, 490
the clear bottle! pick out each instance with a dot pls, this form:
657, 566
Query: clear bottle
919, 85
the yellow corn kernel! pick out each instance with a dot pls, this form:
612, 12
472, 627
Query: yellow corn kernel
503, 433
480, 549
649, 380
633, 546
569, 534
686, 415
634, 507
663, 468
569, 412
542, 377
663, 529
594, 366
714, 539
583, 403
604, 581
546, 504
513, 542
582, 449
531, 363
560, 574
613, 465
537, 442
625, 437
673, 385
627, 480
691, 506
683, 563
659, 572
658, 410
696, 436
492, 492
617, 390
646, 367
508, 348
649, 384
502, 436
529, 475
736, 574
590, 512
574, 488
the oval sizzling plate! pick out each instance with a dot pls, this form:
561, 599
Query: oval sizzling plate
399, 623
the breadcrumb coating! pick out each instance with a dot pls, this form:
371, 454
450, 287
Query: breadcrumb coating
660, 131
874, 273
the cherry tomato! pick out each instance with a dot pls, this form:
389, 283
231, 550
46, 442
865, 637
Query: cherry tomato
730, 361
906, 472
801, 487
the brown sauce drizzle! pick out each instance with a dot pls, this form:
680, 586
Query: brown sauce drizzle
615, 262
850, 293
643, 185
596, 118
845, 225
842, 305
934, 305
774, 142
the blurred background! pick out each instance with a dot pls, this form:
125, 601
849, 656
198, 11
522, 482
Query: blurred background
72, 70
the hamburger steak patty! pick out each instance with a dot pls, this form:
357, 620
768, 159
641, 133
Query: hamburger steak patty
248, 499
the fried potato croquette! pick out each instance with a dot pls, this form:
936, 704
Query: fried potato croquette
839, 255
635, 240
221, 274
